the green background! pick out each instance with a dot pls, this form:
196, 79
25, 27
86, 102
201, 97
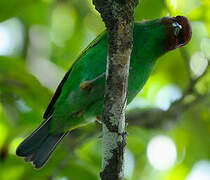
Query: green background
40, 39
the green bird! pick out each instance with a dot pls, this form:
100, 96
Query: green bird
79, 97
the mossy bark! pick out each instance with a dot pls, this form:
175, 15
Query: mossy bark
118, 16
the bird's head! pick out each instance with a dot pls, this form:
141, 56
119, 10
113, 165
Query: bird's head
179, 31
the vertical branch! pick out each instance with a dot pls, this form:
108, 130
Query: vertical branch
118, 16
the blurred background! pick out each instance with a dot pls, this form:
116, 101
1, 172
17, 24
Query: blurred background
168, 122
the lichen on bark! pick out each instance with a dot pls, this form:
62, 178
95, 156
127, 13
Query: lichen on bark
118, 17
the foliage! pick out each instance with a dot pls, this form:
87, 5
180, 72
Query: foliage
39, 40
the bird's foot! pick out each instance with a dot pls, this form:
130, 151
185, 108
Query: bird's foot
99, 119
86, 85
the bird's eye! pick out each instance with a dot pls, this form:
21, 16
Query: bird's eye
177, 28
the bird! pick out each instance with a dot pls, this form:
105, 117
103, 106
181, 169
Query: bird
79, 98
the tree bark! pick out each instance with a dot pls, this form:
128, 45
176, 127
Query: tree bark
118, 17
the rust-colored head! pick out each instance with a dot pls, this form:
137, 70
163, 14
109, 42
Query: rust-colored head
179, 31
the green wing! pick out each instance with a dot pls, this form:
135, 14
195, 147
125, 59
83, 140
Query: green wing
58, 91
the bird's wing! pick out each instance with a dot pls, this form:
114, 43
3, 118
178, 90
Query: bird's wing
58, 91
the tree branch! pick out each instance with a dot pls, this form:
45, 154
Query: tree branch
146, 118
118, 17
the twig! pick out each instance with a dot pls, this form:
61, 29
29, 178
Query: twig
147, 118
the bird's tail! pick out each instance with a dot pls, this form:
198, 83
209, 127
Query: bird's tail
38, 147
